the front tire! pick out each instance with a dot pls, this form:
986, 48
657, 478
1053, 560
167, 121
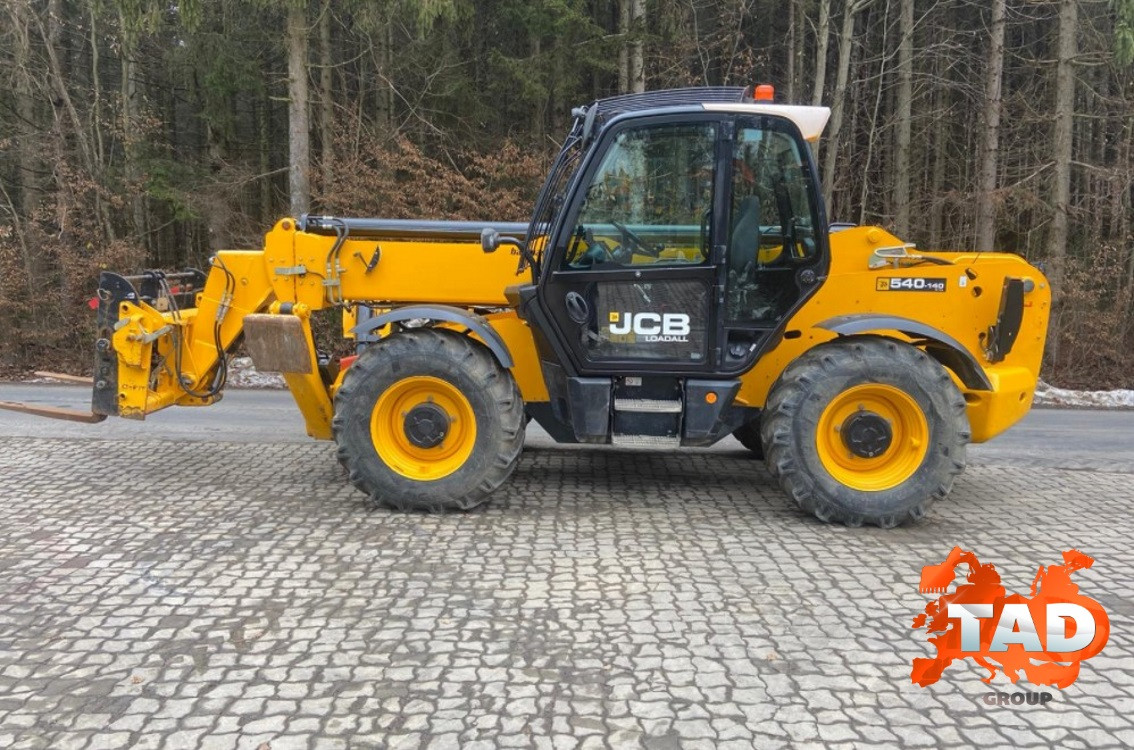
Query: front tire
428, 420
865, 430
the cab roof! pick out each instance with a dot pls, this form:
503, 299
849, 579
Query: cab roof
737, 99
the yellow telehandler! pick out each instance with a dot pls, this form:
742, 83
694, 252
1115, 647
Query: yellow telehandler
678, 283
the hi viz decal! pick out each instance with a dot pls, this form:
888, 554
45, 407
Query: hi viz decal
651, 327
1045, 636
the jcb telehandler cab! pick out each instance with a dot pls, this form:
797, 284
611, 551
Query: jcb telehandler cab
677, 284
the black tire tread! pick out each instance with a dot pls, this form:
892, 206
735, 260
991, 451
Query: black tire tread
748, 435
481, 367
795, 385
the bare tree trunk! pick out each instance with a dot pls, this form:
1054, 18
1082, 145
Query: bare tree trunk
1122, 205
66, 202
130, 137
28, 162
940, 156
62, 99
537, 107
299, 135
990, 145
637, 70
822, 36
59, 80
96, 99
263, 118
838, 105
326, 100
872, 137
1062, 144
791, 51
624, 47
380, 57
904, 115
560, 101
387, 89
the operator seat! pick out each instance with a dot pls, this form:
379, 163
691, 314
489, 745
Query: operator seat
745, 241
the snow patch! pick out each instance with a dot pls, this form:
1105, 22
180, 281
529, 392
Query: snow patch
243, 374
1049, 395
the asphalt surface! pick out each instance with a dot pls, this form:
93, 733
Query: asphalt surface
207, 578
1053, 438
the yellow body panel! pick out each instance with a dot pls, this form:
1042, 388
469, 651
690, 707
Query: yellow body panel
143, 388
306, 385
451, 273
525, 366
961, 311
297, 271
992, 412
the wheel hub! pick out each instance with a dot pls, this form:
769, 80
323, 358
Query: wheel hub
426, 425
867, 435
872, 437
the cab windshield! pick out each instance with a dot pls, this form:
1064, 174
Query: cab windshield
650, 200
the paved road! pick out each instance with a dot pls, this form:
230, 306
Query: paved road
1053, 438
208, 579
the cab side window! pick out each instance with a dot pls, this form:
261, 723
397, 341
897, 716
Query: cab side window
649, 203
770, 226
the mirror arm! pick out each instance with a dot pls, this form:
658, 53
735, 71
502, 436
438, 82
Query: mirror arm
490, 242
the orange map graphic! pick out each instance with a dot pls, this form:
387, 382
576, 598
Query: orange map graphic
1052, 585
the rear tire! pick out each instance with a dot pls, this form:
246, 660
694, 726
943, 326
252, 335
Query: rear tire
865, 430
428, 420
749, 436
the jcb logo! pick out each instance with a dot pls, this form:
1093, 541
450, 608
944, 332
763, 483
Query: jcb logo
651, 326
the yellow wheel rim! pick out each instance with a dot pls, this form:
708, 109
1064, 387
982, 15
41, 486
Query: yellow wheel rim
849, 440
449, 431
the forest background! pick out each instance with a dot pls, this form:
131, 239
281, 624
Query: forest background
139, 133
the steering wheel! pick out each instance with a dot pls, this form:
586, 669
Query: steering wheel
597, 254
635, 240
597, 250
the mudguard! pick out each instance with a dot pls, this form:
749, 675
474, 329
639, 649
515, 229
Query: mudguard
942, 347
444, 314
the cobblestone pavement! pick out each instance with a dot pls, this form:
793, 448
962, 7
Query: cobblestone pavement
207, 594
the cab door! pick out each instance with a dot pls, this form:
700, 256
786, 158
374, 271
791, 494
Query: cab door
634, 276
776, 239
